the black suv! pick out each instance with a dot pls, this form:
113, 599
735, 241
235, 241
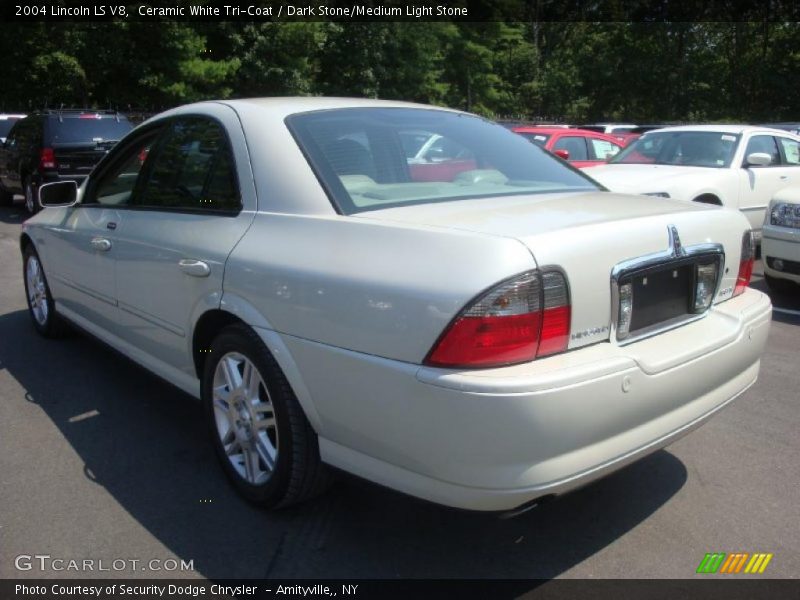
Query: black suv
55, 145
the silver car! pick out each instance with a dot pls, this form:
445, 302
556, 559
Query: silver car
480, 330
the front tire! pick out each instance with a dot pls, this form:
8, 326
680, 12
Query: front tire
266, 445
41, 306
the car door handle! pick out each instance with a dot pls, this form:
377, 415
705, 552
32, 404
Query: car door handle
101, 244
195, 268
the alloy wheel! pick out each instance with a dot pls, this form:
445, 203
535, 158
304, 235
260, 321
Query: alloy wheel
37, 290
245, 418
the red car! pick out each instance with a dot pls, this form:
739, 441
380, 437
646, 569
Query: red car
582, 148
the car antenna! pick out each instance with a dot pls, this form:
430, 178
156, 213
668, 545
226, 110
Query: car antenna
60, 115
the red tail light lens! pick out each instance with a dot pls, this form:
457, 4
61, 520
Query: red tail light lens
47, 159
745, 263
557, 315
514, 322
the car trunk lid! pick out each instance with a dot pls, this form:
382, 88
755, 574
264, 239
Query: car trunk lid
588, 235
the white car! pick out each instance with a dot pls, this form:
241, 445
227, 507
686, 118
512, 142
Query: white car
736, 166
479, 338
780, 246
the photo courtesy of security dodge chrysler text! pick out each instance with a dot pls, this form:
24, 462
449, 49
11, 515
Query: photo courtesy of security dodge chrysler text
410, 294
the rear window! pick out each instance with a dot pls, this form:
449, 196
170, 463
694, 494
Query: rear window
371, 158
86, 129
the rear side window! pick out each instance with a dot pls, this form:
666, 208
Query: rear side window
192, 168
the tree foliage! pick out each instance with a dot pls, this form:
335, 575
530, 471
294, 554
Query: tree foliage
562, 70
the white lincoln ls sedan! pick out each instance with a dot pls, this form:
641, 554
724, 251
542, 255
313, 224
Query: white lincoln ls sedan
481, 329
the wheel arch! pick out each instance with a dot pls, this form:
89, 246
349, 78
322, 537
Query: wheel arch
213, 321
24, 241
708, 198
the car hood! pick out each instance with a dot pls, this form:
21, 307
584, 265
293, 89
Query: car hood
638, 179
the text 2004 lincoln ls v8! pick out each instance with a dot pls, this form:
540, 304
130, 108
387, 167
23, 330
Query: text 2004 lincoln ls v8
480, 329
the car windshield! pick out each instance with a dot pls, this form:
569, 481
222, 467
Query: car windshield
371, 158
88, 129
685, 148
536, 138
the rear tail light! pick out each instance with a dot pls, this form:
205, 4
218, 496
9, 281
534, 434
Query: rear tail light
47, 159
514, 322
745, 263
706, 276
556, 316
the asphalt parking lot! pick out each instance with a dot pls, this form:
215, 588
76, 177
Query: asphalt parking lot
101, 460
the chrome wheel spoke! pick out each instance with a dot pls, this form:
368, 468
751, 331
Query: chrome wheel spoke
251, 469
230, 369
245, 418
266, 452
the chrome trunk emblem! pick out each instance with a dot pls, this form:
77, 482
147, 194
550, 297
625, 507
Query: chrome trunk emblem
675, 242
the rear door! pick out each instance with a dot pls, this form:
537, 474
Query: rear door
193, 204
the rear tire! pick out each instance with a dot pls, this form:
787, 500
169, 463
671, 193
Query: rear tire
264, 441
41, 306
31, 201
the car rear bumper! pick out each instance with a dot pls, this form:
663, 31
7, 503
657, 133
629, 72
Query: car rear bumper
782, 243
497, 439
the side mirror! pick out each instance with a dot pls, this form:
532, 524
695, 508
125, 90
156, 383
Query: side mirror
758, 159
58, 193
562, 154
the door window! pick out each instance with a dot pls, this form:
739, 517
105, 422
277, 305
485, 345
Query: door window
192, 169
603, 149
764, 144
576, 146
791, 151
116, 185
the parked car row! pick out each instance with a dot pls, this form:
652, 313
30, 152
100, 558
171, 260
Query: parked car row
737, 166
410, 294
54, 145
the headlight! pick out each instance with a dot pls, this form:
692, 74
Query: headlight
657, 194
784, 214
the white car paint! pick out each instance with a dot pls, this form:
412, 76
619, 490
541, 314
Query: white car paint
781, 242
350, 306
737, 186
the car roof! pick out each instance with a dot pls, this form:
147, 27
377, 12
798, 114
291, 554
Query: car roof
556, 129
722, 128
286, 106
